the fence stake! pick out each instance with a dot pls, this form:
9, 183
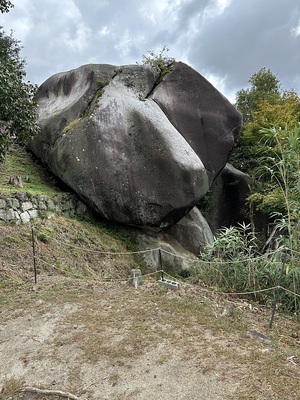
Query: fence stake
34, 259
161, 268
285, 251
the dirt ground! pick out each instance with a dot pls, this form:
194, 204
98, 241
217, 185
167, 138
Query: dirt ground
111, 341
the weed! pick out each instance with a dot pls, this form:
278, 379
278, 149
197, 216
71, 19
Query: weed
233, 264
44, 237
11, 387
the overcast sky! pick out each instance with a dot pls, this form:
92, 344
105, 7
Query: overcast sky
225, 40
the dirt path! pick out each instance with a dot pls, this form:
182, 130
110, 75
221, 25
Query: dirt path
111, 341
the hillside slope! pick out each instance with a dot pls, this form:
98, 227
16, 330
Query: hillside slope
83, 329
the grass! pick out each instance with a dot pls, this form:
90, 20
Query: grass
67, 247
36, 179
79, 265
117, 323
12, 386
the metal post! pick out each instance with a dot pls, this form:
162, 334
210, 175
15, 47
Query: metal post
161, 269
285, 252
34, 259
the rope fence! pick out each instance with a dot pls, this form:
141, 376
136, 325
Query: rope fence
160, 272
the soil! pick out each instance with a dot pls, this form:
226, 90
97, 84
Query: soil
112, 341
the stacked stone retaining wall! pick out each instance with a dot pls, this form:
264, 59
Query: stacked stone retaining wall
21, 208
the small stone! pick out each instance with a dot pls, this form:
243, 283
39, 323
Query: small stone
16, 181
27, 205
81, 208
228, 311
42, 197
25, 217
51, 205
13, 203
22, 196
2, 204
33, 214
7, 215
42, 205
259, 336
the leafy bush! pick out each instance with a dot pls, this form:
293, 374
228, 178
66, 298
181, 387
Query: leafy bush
234, 264
161, 59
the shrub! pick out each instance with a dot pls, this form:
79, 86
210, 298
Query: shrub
234, 264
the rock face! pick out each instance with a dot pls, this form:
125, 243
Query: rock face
139, 149
192, 231
227, 200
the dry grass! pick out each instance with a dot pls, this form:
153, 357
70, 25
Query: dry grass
113, 323
66, 247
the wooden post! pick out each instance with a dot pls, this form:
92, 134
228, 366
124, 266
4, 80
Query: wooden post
34, 259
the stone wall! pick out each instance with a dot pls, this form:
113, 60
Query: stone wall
21, 207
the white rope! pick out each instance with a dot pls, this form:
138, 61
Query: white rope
253, 292
79, 276
170, 276
153, 273
178, 256
170, 253
105, 252
289, 291
265, 256
198, 260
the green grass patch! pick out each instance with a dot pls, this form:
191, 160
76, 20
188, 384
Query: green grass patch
35, 178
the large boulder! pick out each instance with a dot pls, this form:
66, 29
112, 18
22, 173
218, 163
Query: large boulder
138, 148
192, 232
162, 252
226, 203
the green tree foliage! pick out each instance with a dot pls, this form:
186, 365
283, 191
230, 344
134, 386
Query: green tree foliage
278, 190
5, 5
264, 87
269, 150
263, 105
17, 107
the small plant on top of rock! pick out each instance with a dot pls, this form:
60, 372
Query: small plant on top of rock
161, 59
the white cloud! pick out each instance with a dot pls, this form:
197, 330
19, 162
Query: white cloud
296, 30
222, 5
219, 83
19, 19
216, 8
225, 40
104, 31
68, 9
80, 39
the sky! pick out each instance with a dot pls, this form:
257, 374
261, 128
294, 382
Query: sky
226, 41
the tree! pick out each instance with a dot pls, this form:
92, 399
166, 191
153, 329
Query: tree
17, 105
5, 5
269, 149
263, 105
264, 87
